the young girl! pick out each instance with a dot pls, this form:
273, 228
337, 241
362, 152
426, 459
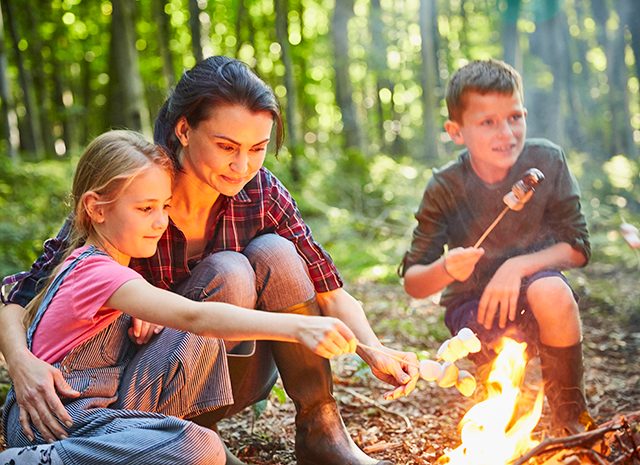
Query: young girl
79, 323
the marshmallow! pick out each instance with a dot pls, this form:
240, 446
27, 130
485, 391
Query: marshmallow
470, 340
449, 375
466, 383
630, 235
430, 370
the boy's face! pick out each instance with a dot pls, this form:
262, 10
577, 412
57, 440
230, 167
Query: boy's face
493, 128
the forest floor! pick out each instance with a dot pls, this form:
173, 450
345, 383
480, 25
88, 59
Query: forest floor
418, 429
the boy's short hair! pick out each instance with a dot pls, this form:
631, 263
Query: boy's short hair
483, 77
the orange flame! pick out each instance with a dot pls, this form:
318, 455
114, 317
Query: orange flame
491, 432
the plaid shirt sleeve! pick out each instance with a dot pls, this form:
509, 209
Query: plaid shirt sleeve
283, 213
28, 283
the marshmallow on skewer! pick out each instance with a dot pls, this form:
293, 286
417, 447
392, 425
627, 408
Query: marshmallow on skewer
630, 235
466, 383
449, 375
452, 349
523, 189
430, 370
459, 346
515, 199
470, 340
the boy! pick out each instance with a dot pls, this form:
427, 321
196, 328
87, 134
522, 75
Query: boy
512, 284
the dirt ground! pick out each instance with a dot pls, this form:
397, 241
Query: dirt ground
416, 430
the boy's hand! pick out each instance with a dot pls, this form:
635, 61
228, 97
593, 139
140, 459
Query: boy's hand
501, 295
460, 262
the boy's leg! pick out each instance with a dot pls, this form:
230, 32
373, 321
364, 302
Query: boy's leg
555, 308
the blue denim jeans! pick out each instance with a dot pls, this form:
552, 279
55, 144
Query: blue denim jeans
268, 275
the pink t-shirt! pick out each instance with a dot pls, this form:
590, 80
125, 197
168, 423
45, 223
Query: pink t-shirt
78, 312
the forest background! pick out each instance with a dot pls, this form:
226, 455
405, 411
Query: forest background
361, 84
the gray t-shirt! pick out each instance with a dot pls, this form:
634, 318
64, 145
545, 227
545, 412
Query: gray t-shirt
457, 207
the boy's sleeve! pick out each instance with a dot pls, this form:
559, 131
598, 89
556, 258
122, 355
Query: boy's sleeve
28, 283
564, 212
430, 235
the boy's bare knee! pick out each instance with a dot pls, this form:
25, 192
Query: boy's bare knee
552, 297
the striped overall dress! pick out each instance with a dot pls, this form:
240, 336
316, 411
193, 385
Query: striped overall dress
134, 400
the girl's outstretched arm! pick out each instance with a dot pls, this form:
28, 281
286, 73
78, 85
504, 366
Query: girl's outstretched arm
325, 336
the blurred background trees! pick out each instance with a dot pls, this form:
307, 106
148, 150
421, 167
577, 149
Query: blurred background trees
361, 83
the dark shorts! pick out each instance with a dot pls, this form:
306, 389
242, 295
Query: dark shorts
464, 311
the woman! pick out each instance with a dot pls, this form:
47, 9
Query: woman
79, 323
235, 236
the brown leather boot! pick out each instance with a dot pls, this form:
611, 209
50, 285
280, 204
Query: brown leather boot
321, 436
562, 372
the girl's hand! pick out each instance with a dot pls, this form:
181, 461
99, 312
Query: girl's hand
38, 385
402, 375
326, 336
460, 262
141, 331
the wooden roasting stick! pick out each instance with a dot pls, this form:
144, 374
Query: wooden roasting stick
515, 199
490, 228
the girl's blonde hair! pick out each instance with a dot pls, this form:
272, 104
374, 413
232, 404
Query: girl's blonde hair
108, 165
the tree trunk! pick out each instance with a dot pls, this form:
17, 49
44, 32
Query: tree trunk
545, 104
511, 50
632, 19
40, 80
164, 35
126, 95
196, 30
618, 77
428, 72
7, 112
32, 140
620, 137
378, 66
282, 34
339, 33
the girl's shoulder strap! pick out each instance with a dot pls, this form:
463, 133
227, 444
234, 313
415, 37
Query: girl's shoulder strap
55, 285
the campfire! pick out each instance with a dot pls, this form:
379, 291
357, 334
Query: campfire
495, 431
499, 429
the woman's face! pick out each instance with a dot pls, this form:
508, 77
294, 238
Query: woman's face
226, 150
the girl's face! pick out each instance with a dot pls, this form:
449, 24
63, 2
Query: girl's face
136, 220
226, 150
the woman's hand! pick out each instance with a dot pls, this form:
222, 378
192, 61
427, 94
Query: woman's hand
402, 375
326, 336
141, 331
37, 386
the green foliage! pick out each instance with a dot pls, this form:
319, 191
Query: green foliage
34, 203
